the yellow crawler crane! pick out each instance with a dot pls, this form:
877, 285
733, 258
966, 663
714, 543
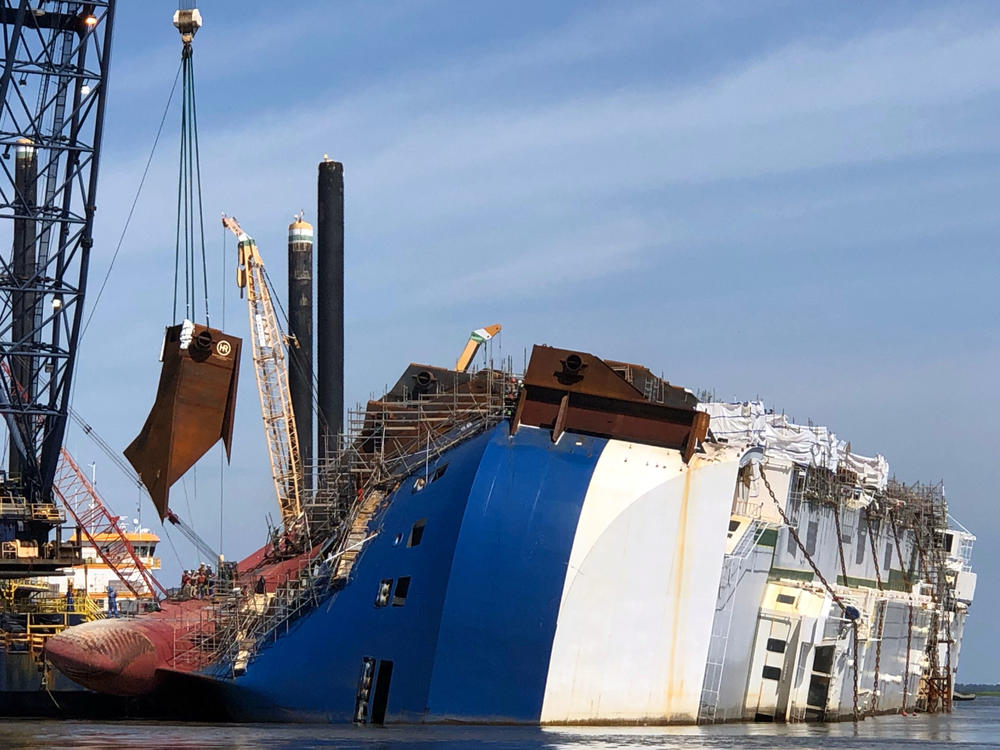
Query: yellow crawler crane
272, 378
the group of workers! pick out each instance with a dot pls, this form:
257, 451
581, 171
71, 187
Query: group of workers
288, 543
198, 583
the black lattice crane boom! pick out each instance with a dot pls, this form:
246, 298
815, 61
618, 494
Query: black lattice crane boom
53, 91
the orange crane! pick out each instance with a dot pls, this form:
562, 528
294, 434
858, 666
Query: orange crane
272, 377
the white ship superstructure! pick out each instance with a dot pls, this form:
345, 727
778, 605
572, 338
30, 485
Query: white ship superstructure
94, 576
844, 591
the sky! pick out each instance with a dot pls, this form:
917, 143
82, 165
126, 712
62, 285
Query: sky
784, 200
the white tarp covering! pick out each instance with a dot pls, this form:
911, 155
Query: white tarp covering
806, 445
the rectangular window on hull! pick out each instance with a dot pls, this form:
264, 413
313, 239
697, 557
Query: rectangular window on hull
771, 673
888, 556
949, 543
785, 599
848, 521
819, 688
402, 589
416, 533
381, 697
776, 645
793, 548
823, 661
859, 553
811, 538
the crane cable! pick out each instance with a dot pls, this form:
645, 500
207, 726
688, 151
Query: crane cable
131, 211
190, 234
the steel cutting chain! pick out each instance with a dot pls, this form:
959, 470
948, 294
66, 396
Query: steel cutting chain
802, 549
933, 690
854, 623
909, 606
820, 576
881, 610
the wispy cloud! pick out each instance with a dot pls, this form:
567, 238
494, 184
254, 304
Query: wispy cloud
762, 205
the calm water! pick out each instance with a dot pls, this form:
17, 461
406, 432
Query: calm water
973, 725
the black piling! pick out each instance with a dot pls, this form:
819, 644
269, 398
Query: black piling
330, 302
23, 269
300, 323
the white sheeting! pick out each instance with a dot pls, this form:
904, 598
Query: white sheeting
806, 445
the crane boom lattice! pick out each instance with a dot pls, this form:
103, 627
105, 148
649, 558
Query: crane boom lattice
53, 89
101, 529
271, 368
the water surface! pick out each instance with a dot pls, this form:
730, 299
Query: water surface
972, 725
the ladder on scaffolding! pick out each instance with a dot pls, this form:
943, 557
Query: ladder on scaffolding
734, 567
94, 520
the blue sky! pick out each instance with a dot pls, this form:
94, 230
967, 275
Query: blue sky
787, 200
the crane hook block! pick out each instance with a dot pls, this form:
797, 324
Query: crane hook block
194, 408
187, 22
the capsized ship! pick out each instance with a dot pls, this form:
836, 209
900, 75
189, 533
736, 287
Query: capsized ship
586, 543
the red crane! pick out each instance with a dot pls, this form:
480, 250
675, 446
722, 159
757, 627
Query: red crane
95, 522
93, 519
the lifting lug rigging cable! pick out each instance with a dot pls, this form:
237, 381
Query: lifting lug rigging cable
190, 234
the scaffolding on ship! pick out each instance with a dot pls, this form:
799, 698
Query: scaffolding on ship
386, 442
919, 514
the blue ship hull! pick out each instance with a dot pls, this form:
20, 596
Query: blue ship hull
472, 640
